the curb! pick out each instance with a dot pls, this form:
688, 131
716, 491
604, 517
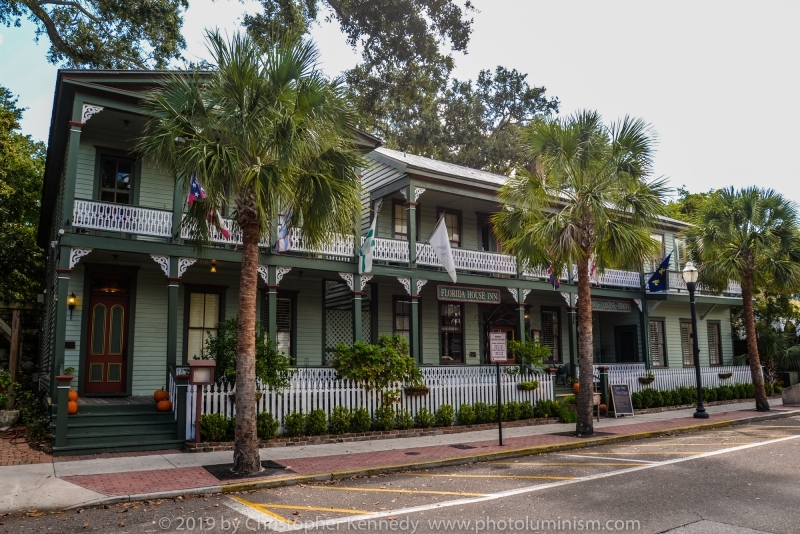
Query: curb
445, 462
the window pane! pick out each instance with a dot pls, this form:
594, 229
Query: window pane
115, 339
123, 198
98, 329
124, 175
400, 222
657, 342
550, 333
106, 196
285, 342
452, 222
194, 344
196, 309
284, 317
714, 344
109, 171
686, 343
211, 316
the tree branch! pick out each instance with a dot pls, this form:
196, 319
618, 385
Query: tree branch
76, 6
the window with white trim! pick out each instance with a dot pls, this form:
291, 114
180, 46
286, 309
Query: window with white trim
204, 316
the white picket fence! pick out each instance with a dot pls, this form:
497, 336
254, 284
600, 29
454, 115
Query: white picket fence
313, 388
668, 379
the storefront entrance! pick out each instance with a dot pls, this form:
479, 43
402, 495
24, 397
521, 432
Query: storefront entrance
106, 352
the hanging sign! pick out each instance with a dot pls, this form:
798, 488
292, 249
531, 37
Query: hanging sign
606, 305
480, 295
498, 348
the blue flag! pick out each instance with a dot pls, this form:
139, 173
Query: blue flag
284, 241
553, 277
658, 281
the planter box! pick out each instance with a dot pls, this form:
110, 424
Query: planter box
416, 392
644, 380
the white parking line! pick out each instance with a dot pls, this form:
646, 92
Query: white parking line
608, 458
493, 496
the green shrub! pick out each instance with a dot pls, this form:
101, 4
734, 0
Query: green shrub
485, 413
527, 386
266, 426
778, 388
636, 400
750, 391
230, 435
339, 421
526, 410
316, 422
666, 398
545, 408
294, 424
710, 394
769, 389
741, 391
466, 415
445, 415
510, 411
566, 415
424, 418
384, 418
360, 421
403, 419
213, 427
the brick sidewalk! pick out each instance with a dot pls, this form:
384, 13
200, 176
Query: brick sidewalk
17, 452
186, 478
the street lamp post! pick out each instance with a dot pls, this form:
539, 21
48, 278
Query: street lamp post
690, 277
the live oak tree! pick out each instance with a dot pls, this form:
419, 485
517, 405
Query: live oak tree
586, 196
265, 131
134, 34
21, 172
749, 236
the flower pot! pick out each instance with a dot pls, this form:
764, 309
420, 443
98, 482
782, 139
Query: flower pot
416, 392
725, 376
8, 418
576, 387
646, 380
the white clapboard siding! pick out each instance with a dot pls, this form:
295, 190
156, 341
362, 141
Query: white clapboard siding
318, 388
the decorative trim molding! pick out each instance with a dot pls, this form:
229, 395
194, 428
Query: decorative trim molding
420, 283
89, 111
403, 192
639, 304
513, 291
348, 278
418, 192
406, 282
75, 255
163, 262
567, 298
185, 263
525, 293
364, 279
330, 284
264, 272
280, 272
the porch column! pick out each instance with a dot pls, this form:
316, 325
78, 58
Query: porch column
172, 312
645, 323
62, 293
415, 347
177, 209
411, 193
572, 325
272, 303
522, 293
357, 294
75, 126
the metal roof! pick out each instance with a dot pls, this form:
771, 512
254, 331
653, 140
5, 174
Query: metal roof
412, 161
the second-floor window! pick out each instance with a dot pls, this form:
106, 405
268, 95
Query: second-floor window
679, 257
116, 179
658, 238
452, 220
400, 214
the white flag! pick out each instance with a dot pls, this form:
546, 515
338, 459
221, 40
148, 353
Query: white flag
366, 252
440, 242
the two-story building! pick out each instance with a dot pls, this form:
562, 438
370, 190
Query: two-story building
129, 297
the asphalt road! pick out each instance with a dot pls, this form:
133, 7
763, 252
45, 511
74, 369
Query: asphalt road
736, 480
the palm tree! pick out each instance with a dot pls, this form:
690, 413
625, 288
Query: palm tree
749, 236
265, 131
585, 197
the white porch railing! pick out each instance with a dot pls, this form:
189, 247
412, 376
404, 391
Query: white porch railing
620, 278
676, 283
314, 388
215, 236
121, 218
340, 247
390, 250
470, 260
668, 379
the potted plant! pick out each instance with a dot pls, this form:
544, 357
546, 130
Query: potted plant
416, 389
528, 385
66, 375
649, 378
725, 376
529, 354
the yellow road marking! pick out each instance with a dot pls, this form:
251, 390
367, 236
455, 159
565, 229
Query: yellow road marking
386, 490
263, 510
565, 463
777, 426
631, 452
487, 476
314, 508
689, 444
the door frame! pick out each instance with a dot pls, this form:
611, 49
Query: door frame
88, 270
618, 329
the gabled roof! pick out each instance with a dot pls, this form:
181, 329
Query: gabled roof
421, 163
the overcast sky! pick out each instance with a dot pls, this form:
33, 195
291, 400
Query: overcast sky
717, 79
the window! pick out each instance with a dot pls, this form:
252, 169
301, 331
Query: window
400, 211
486, 237
714, 344
452, 220
402, 317
551, 335
284, 321
680, 254
116, 179
204, 315
657, 350
686, 343
451, 328
658, 238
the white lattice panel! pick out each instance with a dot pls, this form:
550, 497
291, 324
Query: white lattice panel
121, 218
340, 247
619, 278
470, 260
390, 250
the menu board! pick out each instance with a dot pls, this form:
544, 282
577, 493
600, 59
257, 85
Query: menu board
621, 399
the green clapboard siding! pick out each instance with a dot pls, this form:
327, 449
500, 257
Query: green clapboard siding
150, 336
672, 313
72, 358
309, 350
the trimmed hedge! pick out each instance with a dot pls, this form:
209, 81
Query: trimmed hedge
651, 398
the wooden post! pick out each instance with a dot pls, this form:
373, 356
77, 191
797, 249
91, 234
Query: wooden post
62, 398
358, 335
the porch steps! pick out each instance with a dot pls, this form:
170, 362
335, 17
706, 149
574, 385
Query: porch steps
100, 428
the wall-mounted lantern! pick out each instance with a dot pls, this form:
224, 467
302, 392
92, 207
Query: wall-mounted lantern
72, 300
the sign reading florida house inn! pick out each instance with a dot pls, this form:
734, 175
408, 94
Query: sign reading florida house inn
605, 305
480, 295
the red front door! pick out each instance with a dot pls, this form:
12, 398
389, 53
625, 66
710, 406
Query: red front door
107, 344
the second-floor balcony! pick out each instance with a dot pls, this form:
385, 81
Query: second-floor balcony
103, 216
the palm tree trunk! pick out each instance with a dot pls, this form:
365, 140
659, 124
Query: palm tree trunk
585, 426
762, 404
246, 458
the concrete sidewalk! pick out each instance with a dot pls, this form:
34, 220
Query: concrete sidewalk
134, 476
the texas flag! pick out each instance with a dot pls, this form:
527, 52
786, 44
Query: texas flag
196, 191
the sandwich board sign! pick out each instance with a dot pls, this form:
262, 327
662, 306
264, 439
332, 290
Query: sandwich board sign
498, 348
621, 399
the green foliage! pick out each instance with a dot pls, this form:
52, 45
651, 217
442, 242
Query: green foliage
377, 366
35, 413
5, 390
403, 419
687, 206
485, 413
445, 415
339, 421
531, 353
526, 410
529, 385
545, 408
777, 389
267, 426
272, 367
769, 388
230, 431
360, 421
316, 422
294, 424
384, 418
213, 427
566, 415
509, 412
466, 415
105, 35
424, 418
69, 370
569, 399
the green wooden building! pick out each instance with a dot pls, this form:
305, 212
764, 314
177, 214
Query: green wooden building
128, 297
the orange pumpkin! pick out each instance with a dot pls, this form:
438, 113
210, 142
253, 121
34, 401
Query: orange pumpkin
73, 396
164, 406
160, 395
576, 387
72, 407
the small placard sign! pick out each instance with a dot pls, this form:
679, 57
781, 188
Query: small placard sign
498, 346
621, 399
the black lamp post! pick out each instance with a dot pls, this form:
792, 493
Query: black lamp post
690, 277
